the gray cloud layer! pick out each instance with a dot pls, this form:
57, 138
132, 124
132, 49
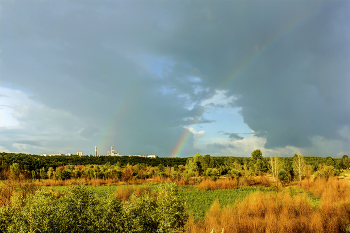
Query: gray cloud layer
125, 69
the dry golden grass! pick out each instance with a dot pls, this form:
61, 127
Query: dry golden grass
9, 187
126, 192
282, 212
209, 184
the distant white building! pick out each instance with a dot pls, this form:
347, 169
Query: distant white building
113, 153
151, 156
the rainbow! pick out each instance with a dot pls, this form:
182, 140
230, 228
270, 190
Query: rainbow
246, 61
181, 144
254, 54
115, 120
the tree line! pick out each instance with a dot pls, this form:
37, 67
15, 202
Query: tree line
126, 168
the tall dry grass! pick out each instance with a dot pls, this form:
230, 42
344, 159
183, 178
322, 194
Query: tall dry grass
126, 192
10, 187
7, 189
282, 212
209, 184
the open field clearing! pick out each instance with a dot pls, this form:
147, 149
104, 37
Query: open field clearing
311, 206
205, 195
199, 201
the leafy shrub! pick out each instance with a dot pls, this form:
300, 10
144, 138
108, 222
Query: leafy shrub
283, 177
81, 210
324, 171
78, 211
213, 173
235, 173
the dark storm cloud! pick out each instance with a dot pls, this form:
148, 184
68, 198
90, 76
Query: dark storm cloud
234, 136
286, 63
198, 120
84, 59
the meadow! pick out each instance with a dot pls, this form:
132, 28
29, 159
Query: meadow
317, 205
256, 195
310, 206
198, 201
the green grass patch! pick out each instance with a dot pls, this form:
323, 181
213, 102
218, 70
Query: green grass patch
314, 201
199, 201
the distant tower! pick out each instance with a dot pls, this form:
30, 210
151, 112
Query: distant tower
112, 150
95, 151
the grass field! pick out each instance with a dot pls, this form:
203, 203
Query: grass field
199, 201
318, 205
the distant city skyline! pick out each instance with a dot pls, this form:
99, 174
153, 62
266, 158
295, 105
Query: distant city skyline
175, 78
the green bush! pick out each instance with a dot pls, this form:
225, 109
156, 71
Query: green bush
324, 172
81, 210
234, 173
283, 177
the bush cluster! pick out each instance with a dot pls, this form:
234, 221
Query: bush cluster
81, 210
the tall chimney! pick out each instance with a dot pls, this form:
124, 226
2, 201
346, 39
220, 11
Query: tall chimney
95, 151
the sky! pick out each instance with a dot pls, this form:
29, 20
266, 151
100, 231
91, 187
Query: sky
174, 78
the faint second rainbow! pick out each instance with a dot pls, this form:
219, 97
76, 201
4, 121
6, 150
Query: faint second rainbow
269, 42
113, 125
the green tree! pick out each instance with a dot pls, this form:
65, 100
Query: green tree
330, 161
213, 173
207, 162
42, 173
161, 167
195, 164
230, 161
235, 173
345, 161
237, 165
283, 177
324, 171
257, 163
58, 174
15, 171
33, 174
257, 154
50, 172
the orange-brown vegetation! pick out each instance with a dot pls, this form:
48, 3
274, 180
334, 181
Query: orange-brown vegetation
126, 192
9, 187
282, 211
209, 184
